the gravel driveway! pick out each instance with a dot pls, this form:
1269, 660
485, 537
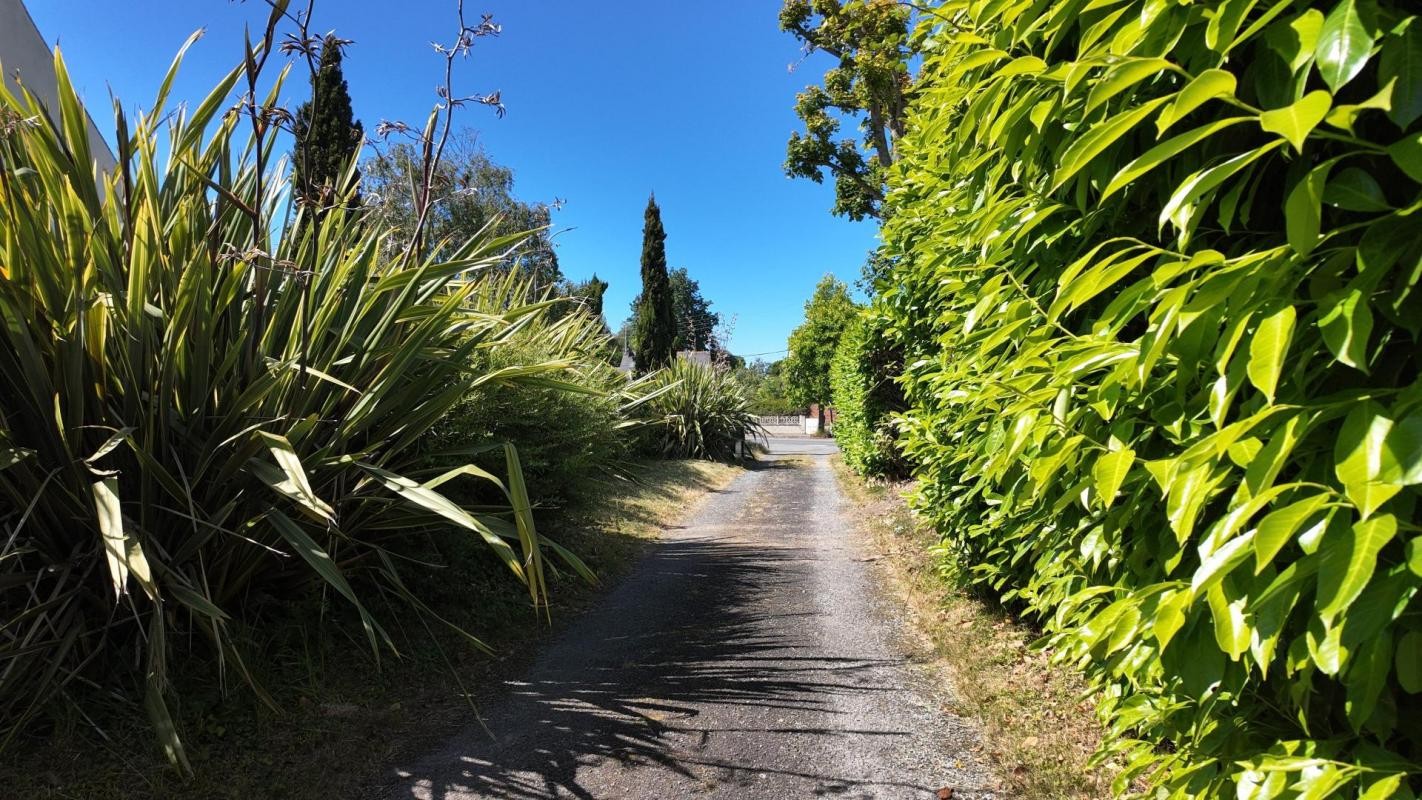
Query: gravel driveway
750, 655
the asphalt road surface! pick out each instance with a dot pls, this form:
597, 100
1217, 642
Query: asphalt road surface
750, 655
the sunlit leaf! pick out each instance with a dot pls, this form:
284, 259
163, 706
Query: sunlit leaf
1344, 43
1347, 322
1278, 528
1269, 348
1348, 565
1202, 88
1110, 472
1295, 122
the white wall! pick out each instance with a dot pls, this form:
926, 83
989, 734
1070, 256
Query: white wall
23, 50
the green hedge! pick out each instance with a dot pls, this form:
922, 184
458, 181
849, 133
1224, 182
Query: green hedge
1156, 276
865, 395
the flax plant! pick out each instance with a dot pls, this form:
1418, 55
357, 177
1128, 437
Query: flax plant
199, 407
694, 411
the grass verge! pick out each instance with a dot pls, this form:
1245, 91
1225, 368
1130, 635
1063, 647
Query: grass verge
1038, 728
340, 717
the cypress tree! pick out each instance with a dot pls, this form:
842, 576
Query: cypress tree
327, 133
592, 293
654, 327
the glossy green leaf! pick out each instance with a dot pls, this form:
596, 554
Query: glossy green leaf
1179, 209
1375, 455
1269, 348
1344, 44
1347, 322
1345, 116
1355, 190
1406, 153
1101, 136
1231, 627
1402, 451
1384, 788
1358, 456
1348, 565
1295, 122
1122, 77
1202, 88
1400, 63
1278, 528
1165, 151
1110, 472
1303, 210
1295, 42
1025, 65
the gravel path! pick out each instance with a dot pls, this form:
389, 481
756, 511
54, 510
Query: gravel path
750, 655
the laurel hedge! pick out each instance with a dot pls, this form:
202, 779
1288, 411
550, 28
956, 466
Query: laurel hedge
1156, 276
865, 396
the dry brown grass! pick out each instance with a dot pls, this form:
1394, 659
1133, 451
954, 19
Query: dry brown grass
1038, 727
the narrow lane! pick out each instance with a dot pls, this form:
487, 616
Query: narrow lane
750, 655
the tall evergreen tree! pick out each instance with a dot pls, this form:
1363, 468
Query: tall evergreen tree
691, 313
591, 291
327, 133
654, 326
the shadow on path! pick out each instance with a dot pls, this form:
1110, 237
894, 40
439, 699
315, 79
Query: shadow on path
677, 670
747, 656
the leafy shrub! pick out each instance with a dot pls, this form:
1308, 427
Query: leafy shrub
198, 415
1156, 274
694, 411
865, 395
566, 430
763, 383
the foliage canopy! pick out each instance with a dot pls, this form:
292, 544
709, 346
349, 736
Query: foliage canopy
471, 196
807, 368
192, 427
870, 83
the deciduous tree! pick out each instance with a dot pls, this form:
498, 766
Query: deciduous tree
812, 345
870, 83
470, 191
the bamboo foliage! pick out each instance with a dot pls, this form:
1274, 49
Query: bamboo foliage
1156, 275
197, 406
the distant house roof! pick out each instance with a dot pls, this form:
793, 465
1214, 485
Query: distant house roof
702, 357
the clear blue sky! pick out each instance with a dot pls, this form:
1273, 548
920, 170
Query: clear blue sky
607, 102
